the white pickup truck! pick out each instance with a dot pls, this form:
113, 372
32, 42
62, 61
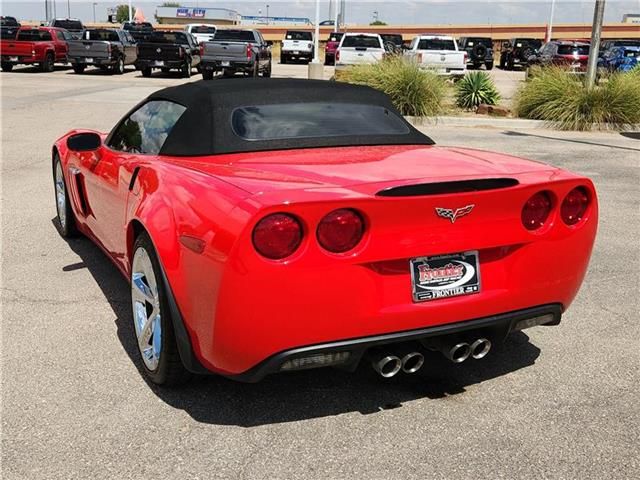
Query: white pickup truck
202, 31
438, 53
298, 45
358, 49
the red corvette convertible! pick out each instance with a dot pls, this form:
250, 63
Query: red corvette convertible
276, 225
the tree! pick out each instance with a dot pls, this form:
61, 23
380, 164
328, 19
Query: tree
122, 13
378, 23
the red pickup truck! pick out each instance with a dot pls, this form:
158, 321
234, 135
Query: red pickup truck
43, 46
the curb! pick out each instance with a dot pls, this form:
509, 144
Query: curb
480, 121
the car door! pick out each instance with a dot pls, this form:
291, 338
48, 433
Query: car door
60, 45
135, 141
128, 47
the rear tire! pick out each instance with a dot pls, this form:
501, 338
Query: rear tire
118, 68
283, 59
146, 72
207, 74
152, 321
78, 68
6, 67
47, 64
186, 69
66, 219
267, 71
489, 65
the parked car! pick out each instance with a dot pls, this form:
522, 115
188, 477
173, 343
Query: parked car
297, 45
42, 46
232, 51
479, 51
107, 49
622, 59
202, 32
359, 49
168, 50
140, 31
618, 42
279, 225
392, 42
8, 28
517, 51
438, 53
331, 46
71, 25
570, 54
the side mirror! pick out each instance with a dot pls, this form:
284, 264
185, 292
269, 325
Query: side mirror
84, 142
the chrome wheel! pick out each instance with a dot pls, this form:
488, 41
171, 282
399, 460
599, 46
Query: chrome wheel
61, 196
146, 308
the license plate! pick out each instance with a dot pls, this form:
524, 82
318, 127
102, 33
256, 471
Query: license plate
158, 63
88, 60
13, 59
225, 64
444, 276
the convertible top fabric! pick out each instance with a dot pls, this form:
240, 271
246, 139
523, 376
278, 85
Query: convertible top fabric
205, 128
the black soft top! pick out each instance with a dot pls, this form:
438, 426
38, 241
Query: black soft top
205, 128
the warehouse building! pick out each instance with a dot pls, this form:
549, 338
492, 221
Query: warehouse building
184, 15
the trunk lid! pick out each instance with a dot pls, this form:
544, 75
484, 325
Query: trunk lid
159, 51
11, 48
366, 170
225, 50
89, 48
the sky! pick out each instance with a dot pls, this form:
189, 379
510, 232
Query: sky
361, 12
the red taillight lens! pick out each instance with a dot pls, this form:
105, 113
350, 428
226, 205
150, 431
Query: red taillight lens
337, 55
536, 211
574, 206
340, 230
277, 236
249, 51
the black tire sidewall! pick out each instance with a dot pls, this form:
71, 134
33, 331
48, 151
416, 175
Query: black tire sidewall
69, 228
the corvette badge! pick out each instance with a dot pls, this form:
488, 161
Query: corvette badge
453, 215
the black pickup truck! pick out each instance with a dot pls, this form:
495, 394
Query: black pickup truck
140, 31
168, 50
8, 28
107, 49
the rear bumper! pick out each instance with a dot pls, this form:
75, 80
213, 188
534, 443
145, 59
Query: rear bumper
144, 63
297, 53
94, 61
20, 60
496, 326
217, 65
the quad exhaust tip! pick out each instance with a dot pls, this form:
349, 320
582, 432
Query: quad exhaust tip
412, 362
480, 348
387, 366
459, 352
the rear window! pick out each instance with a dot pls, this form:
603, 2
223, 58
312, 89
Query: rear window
34, 36
525, 42
487, 42
68, 24
631, 53
143, 27
335, 37
314, 120
101, 35
235, 35
168, 37
436, 44
361, 41
395, 39
298, 36
203, 29
573, 50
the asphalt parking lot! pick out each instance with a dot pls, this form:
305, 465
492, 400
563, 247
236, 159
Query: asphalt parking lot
554, 402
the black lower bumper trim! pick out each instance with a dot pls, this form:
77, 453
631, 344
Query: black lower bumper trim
504, 323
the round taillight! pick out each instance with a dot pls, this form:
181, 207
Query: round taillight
536, 211
277, 236
574, 206
341, 230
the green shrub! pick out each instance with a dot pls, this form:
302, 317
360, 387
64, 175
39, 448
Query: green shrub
562, 99
413, 91
476, 88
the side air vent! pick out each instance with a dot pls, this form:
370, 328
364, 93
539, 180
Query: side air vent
443, 188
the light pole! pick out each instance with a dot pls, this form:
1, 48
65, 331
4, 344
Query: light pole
375, 16
316, 70
336, 27
596, 32
550, 26
267, 14
94, 12
130, 13
68, 8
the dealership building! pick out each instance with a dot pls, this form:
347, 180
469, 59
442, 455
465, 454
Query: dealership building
184, 15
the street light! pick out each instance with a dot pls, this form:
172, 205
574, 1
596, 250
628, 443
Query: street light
94, 12
267, 14
596, 32
68, 8
550, 26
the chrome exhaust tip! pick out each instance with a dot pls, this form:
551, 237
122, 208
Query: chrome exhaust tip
480, 348
412, 362
459, 352
387, 366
